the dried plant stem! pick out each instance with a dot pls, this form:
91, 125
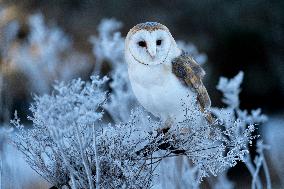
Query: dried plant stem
256, 173
251, 169
98, 176
84, 160
72, 178
267, 175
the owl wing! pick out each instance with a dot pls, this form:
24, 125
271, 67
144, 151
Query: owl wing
189, 71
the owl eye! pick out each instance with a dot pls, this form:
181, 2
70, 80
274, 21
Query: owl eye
159, 42
142, 44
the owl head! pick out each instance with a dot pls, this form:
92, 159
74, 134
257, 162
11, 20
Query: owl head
149, 43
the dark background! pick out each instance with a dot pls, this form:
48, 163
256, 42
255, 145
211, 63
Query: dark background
236, 35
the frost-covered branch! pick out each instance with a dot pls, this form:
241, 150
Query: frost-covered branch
260, 161
62, 132
73, 144
108, 47
120, 155
46, 55
98, 169
231, 90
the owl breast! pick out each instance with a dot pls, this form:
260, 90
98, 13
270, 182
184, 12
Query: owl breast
160, 92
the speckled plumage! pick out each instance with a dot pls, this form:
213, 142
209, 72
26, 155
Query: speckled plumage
149, 26
189, 71
185, 68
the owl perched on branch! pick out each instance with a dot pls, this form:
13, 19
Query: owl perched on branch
162, 76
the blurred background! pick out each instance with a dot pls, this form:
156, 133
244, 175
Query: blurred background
235, 35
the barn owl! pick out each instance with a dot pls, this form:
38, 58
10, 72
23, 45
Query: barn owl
162, 76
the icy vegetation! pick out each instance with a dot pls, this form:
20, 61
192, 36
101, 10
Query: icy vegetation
46, 56
108, 47
71, 145
33, 64
93, 134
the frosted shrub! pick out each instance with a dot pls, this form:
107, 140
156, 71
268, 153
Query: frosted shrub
45, 56
60, 145
33, 63
67, 146
231, 89
72, 145
108, 47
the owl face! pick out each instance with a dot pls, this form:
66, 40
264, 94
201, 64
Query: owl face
149, 46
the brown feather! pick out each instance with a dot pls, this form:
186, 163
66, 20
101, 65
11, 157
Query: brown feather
186, 69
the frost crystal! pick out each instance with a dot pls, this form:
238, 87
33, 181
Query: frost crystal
74, 144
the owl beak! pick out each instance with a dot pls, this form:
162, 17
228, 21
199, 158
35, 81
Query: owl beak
152, 51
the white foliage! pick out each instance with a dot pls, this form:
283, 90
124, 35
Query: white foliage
231, 89
190, 48
61, 144
70, 145
121, 94
43, 56
62, 136
108, 47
